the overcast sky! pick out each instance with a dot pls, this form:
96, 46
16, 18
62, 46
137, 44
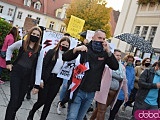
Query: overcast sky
115, 4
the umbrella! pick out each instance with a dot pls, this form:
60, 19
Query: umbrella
136, 41
83, 34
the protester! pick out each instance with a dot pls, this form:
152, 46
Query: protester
62, 102
23, 69
94, 55
111, 84
138, 70
52, 64
130, 75
9, 40
147, 94
28, 95
137, 63
64, 84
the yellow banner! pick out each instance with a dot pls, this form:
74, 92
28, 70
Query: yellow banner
75, 26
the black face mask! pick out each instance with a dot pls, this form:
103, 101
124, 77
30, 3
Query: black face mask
147, 64
97, 46
63, 48
34, 38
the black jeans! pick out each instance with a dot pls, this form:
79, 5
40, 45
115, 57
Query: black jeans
115, 109
47, 95
131, 97
19, 81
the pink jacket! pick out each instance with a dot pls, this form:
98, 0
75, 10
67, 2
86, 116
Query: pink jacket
101, 96
9, 40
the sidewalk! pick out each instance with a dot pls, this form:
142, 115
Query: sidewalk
27, 105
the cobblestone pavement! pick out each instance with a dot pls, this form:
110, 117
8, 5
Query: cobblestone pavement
27, 105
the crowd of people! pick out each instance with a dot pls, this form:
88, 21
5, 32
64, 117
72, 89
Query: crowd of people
98, 74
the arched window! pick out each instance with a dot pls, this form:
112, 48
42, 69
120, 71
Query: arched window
37, 5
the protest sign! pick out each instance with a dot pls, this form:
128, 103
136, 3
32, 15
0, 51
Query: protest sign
66, 70
75, 26
89, 35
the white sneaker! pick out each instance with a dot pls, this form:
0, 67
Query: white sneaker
58, 109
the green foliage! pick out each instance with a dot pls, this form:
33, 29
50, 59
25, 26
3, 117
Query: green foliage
4, 29
96, 16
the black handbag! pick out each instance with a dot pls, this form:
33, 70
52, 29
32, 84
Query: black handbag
3, 54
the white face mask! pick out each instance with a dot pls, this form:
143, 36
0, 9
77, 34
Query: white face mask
158, 72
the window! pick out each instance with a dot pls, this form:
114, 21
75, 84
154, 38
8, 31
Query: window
144, 31
51, 25
29, 16
62, 28
1, 8
19, 16
10, 11
37, 5
137, 30
27, 3
59, 15
153, 31
152, 34
38, 20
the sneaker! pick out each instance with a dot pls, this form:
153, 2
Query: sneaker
130, 105
90, 109
123, 108
1, 82
63, 106
58, 108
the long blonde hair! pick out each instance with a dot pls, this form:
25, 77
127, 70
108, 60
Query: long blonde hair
27, 41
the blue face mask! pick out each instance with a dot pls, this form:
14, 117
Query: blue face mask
158, 72
97, 46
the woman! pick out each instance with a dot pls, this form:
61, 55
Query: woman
52, 64
130, 76
111, 84
138, 70
23, 69
149, 84
9, 40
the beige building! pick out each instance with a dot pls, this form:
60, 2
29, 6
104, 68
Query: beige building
143, 20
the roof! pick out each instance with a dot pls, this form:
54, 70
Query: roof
48, 6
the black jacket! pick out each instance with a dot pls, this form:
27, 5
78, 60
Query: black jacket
92, 79
48, 64
145, 84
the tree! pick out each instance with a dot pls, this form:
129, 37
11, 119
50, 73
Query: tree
4, 29
96, 16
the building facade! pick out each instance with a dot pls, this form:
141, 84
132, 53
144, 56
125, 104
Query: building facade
143, 20
48, 13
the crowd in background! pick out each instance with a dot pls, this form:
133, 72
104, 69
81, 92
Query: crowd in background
98, 74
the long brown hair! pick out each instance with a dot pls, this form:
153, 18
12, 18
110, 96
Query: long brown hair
59, 43
14, 32
144, 60
27, 41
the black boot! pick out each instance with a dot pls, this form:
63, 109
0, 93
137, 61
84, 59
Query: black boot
30, 116
28, 97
